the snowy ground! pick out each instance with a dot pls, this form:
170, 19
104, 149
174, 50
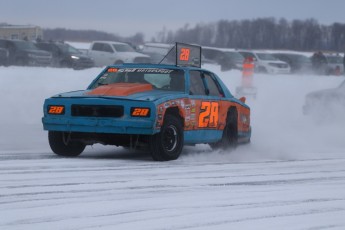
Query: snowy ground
291, 176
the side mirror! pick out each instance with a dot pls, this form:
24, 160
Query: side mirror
243, 99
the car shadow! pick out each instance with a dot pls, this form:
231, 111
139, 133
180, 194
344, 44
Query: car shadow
117, 154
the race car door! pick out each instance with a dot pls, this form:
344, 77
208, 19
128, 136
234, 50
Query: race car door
206, 95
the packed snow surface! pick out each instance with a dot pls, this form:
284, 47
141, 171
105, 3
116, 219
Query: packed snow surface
291, 175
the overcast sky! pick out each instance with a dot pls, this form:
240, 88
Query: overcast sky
126, 17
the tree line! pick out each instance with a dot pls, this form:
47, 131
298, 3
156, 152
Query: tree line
61, 34
261, 33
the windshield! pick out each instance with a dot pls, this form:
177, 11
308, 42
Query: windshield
235, 55
23, 45
303, 59
65, 48
162, 79
266, 57
335, 59
123, 48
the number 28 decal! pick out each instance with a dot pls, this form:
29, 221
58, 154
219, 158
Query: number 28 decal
208, 117
184, 56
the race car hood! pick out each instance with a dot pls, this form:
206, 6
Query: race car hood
120, 89
128, 94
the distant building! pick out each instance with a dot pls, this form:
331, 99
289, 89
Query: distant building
27, 32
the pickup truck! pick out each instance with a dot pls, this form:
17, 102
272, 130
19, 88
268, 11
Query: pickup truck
106, 53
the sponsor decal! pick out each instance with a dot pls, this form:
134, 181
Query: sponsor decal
142, 70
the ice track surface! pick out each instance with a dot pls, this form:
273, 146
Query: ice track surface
291, 176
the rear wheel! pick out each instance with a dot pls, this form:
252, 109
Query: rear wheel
230, 133
168, 143
61, 145
262, 69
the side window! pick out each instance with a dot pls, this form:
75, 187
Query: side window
212, 86
208, 53
44, 46
107, 48
247, 54
196, 83
97, 47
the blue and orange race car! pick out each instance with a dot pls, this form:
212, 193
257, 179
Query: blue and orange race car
159, 107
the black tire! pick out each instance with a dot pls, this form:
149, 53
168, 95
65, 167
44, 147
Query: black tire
20, 62
262, 69
62, 147
65, 64
168, 143
230, 133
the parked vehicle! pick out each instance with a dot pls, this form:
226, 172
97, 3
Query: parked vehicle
266, 62
25, 53
65, 55
3, 57
156, 51
299, 63
334, 64
326, 102
109, 52
227, 58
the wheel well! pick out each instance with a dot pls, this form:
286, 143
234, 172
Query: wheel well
175, 112
232, 116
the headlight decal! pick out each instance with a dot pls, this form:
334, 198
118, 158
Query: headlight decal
56, 109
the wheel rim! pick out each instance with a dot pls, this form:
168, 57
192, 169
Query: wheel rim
170, 138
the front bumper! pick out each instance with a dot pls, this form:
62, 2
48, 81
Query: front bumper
99, 125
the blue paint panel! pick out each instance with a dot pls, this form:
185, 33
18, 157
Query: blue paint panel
124, 124
202, 136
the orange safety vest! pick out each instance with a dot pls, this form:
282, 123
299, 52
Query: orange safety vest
247, 68
247, 72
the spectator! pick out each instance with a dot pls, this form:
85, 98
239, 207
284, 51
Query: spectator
319, 62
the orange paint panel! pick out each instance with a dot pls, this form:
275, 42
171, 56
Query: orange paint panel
120, 89
201, 114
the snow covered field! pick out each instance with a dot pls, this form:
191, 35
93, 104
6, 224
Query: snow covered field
291, 176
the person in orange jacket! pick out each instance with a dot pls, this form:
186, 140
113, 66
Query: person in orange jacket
247, 72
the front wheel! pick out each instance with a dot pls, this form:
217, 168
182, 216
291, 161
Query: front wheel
61, 145
168, 143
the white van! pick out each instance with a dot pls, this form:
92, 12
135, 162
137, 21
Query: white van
266, 62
